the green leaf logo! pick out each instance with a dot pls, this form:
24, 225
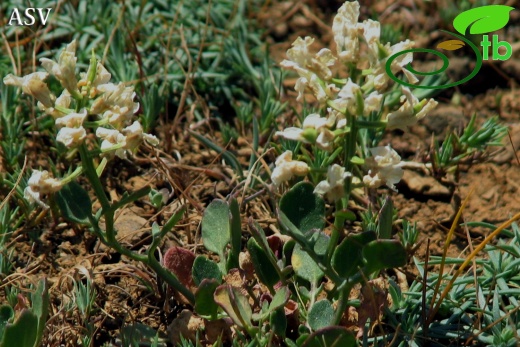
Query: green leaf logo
482, 19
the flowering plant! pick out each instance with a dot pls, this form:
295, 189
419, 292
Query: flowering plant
337, 149
107, 110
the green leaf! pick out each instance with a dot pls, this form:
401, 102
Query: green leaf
321, 315
346, 214
236, 235
128, 198
74, 203
304, 266
203, 268
23, 332
278, 322
348, 256
384, 254
280, 298
289, 228
304, 209
357, 160
235, 304
482, 20
216, 228
331, 337
6, 314
319, 242
159, 233
386, 216
264, 269
40, 307
205, 304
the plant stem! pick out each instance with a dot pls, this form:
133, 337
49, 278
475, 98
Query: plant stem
109, 237
349, 151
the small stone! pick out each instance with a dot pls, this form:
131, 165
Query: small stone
425, 185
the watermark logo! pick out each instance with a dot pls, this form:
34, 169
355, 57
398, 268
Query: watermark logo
477, 21
29, 16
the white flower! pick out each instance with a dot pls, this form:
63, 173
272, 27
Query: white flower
72, 132
333, 186
292, 133
314, 120
40, 183
113, 141
304, 63
371, 31
407, 115
125, 141
32, 84
346, 100
346, 29
384, 168
372, 102
134, 136
321, 135
63, 101
286, 168
325, 139
380, 76
116, 104
71, 137
65, 69
313, 70
341, 121
72, 120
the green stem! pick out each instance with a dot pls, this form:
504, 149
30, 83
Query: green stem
90, 172
109, 238
344, 295
349, 151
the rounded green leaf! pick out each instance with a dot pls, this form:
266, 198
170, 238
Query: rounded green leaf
205, 305
74, 203
216, 227
482, 20
304, 209
348, 256
304, 266
384, 254
203, 268
321, 315
335, 336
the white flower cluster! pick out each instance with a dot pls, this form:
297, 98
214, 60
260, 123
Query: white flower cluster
345, 98
111, 107
315, 72
112, 104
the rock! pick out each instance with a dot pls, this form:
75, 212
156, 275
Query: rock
425, 185
186, 325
